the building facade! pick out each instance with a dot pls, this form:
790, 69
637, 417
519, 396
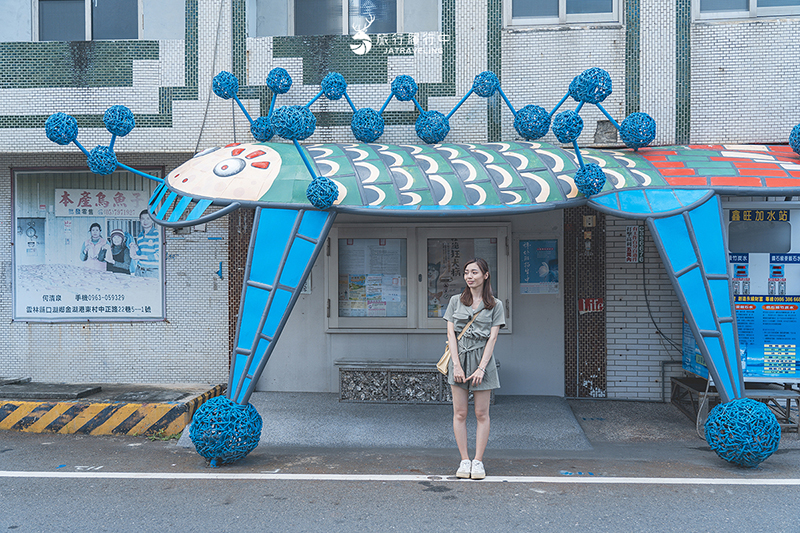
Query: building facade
706, 71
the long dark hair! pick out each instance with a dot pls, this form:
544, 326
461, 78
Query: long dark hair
488, 295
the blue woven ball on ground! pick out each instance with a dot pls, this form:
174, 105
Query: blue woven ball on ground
293, 122
591, 86
743, 432
432, 127
261, 129
485, 84
794, 139
590, 179
567, 126
61, 128
119, 120
224, 432
102, 160
333, 86
225, 85
279, 81
367, 125
404, 88
532, 122
637, 130
322, 192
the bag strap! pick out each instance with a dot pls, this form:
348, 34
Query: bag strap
467, 326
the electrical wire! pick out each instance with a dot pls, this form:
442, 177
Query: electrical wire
213, 69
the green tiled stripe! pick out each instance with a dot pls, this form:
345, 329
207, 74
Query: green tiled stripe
683, 71
95, 64
48, 64
495, 64
632, 56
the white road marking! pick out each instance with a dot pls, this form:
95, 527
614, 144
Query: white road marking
571, 480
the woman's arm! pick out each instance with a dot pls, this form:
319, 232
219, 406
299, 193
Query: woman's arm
488, 350
452, 342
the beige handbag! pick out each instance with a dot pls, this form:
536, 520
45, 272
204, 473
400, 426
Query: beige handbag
444, 362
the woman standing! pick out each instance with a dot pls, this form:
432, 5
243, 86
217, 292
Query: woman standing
474, 370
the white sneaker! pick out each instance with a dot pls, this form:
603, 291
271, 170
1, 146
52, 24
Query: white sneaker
464, 469
478, 472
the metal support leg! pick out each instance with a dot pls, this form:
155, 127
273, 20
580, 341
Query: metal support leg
694, 251
283, 247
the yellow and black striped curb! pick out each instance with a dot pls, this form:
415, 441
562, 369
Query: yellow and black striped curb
102, 418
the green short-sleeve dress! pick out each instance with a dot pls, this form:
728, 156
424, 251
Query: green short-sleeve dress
471, 345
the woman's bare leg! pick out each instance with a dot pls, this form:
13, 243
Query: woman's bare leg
460, 407
482, 398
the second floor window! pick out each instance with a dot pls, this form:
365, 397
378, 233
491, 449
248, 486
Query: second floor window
86, 20
535, 12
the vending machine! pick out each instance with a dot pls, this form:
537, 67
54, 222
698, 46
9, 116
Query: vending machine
764, 258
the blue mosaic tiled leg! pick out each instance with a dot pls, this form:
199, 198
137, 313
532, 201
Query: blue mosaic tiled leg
283, 247
693, 248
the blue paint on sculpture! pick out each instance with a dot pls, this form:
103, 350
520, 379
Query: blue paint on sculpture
261, 129
224, 432
794, 139
225, 85
532, 122
279, 81
638, 130
432, 127
591, 86
404, 88
743, 432
367, 125
486, 84
589, 179
567, 126
322, 192
293, 122
61, 128
119, 120
102, 160
334, 86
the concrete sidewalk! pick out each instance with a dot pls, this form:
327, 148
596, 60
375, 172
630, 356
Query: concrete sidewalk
320, 420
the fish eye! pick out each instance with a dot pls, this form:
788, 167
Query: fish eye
229, 167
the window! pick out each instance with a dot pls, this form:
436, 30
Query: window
86, 20
341, 17
531, 12
724, 9
402, 277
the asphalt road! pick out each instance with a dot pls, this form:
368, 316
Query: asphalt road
79, 483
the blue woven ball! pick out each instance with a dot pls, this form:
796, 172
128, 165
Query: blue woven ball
224, 432
638, 130
590, 179
794, 139
404, 88
591, 86
485, 84
367, 125
333, 86
279, 81
225, 85
432, 127
743, 432
119, 120
322, 192
532, 122
293, 122
261, 129
61, 128
567, 126
102, 160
